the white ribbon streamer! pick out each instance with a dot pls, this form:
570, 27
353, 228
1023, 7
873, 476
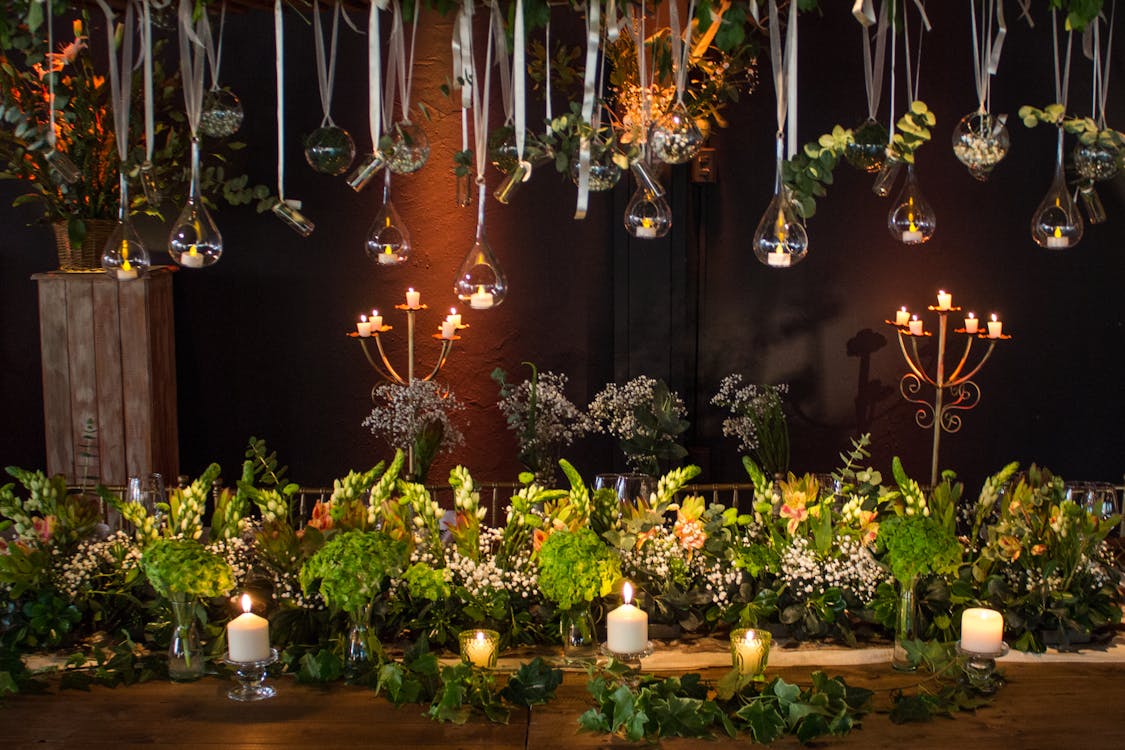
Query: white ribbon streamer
593, 37
1062, 83
519, 85
150, 107
409, 87
500, 46
986, 48
1025, 12
681, 45
873, 69
215, 48
784, 63
279, 66
396, 64
864, 12
325, 70
547, 69
193, 45
913, 73
1100, 80
374, 76
120, 77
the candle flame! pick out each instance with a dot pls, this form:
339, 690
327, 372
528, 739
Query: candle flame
126, 265
914, 317
247, 604
387, 250
480, 288
627, 592
751, 638
481, 637
374, 313
362, 318
192, 251
972, 315
903, 308
993, 317
1058, 232
940, 291
453, 311
410, 289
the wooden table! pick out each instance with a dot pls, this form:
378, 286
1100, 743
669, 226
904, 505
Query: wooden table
1048, 706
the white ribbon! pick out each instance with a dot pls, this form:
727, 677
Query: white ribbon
325, 70
1062, 83
785, 75
193, 45
519, 85
681, 45
396, 64
120, 77
612, 21
593, 37
913, 73
547, 68
921, 5
279, 65
1100, 80
146, 52
873, 69
374, 76
1025, 12
462, 64
406, 90
215, 48
864, 12
986, 48
500, 46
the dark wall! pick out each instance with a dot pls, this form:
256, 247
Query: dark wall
260, 337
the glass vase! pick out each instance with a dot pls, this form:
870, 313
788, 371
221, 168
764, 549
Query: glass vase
906, 626
579, 635
359, 656
185, 654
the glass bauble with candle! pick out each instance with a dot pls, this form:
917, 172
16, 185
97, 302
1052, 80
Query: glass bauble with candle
195, 241
750, 651
868, 149
124, 256
502, 151
329, 150
1098, 161
911, 220
388, 239
675, 137
222, 113
647, 215
780, 241
980, 142
409, 150
1056, 223
481, 282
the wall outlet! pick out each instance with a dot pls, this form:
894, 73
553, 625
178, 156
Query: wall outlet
703, 166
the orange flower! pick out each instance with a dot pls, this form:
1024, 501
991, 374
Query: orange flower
868, 526
795, 513
321, 516
1010, 547
690, 533
1039, 549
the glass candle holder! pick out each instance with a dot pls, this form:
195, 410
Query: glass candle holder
750, 650
479, 647
251, 677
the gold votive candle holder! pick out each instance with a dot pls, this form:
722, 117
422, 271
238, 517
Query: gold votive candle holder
750, 650
479, 647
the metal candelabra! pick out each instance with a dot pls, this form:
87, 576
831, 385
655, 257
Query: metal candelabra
940, 414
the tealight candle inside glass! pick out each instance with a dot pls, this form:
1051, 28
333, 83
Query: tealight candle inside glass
750, 650
479, 647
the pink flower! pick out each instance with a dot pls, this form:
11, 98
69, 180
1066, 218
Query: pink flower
321, 516
45, 527
795, 513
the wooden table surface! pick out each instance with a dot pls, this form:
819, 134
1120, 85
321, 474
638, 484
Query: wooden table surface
1048, 706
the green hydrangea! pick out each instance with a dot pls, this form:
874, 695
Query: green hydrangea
918, 545
350, 569
426, 582
184, 566
575, 567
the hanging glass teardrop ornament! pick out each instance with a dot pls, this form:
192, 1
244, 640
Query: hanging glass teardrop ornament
195, 241
1056, 223
912, 220
780, 240
410, 148
980, 142
388, 240
675, 137
222, 113
480, 279
868, 149
124, 257
647, 215
329, 150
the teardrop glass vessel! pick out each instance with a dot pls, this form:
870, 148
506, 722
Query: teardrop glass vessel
675, 138
647, 215
125, 257
780, 241
1056, 223
195, 241
980, 142
480, 279
388, 240
911, 220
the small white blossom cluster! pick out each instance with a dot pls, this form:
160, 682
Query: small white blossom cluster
749, 405
409, 409
556, 420
614, 407
850, 512
114, 556
663, 558
484, 576
850, 568
238, 554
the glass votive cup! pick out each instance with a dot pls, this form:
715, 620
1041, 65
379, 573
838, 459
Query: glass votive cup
479, 648
297, 221
750, 650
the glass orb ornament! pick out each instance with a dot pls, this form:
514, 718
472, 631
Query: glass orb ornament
980, 142
911, 220
647, 215
675, 137
502, 151
868, 149
222, 113
410, 148
329, 150
388, 240
780, 241
604, 173
1098, 161
1095, 210
195, 241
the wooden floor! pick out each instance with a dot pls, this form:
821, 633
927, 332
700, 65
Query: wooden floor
1044, 706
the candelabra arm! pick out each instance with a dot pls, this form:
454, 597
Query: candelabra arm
387, 370
975, 370
446, 348
913, 362
961, 365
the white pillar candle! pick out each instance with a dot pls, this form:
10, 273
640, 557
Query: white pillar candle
750, 651
454, 316
779, 259
944, 300
248, 636
448, 329
627, 626
376, 321
480, 299
902, 317
480, 649
915, 326
982, 630
413, 299
971, 323
363, 327
995, 327
192, 258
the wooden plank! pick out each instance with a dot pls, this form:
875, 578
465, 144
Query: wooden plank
83, 375
56, 371
136, 377
107, 352
165, 425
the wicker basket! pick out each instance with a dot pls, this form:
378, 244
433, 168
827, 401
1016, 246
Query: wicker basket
88, 257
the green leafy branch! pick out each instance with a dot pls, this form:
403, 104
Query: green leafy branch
1085, 128
941, 694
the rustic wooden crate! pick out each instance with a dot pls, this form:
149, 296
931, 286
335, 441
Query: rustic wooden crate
109, 375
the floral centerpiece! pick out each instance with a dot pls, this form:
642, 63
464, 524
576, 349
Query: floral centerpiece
646, 417
417, 418
544, 420
757, 420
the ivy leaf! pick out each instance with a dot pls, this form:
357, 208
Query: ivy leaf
532, 684
763, 722
323, 666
